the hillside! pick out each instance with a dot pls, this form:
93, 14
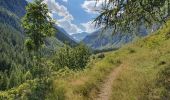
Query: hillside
139, 70
11, 50
16, 7
12, 34
105, 39
63, 36
79, 36
47, 69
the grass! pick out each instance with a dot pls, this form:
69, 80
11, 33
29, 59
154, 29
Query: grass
82, 85
139, 78
144, 74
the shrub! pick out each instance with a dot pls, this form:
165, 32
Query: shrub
73, 58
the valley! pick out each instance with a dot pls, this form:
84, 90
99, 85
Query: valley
127, 58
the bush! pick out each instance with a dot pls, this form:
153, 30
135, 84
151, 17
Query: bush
30, 90
73, 58
23, 92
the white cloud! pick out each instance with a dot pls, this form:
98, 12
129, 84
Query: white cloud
69, 27
91, 6
65, 0
67, 18
89, 26
59, 9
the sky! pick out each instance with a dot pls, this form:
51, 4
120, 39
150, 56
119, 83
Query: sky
75, 16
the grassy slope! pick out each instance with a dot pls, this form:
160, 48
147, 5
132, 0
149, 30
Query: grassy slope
142, 72
142, 62
80, 85
145, 73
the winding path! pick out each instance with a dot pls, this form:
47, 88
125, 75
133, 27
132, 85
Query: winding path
106, 88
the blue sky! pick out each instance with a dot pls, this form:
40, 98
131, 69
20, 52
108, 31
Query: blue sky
74, 16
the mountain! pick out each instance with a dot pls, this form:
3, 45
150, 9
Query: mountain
63, 36
11, 35
15, 6
105, 39
12, 50
79, 36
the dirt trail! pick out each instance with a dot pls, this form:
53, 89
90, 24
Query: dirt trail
106, 88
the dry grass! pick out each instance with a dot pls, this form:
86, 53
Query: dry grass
142, 61
137, 81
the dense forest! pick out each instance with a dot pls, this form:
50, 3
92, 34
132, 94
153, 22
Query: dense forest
19, 66
39, 61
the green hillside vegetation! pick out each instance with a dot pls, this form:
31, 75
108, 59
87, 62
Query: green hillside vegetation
25, 73
146, 69
144, 75
16, 64
74, 73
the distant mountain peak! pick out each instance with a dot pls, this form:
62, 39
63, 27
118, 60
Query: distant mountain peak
80, 36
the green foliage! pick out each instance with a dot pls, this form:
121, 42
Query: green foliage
20, 77
42, 68
80, 84
129, 15
29, 90
16, 7
4, 80
14, 77
14, 60
23, 92
73, 58
141, 64
7, 17
37, 25
11, 48
40, 91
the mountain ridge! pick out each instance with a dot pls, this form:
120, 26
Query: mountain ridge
105, 39
80, 36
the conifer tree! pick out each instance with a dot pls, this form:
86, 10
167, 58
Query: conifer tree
128, 15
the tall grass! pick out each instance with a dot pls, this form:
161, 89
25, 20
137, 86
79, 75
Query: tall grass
141, 73
84, 84
141, 62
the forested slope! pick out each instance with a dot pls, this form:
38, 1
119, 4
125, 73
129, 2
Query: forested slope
15, 61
